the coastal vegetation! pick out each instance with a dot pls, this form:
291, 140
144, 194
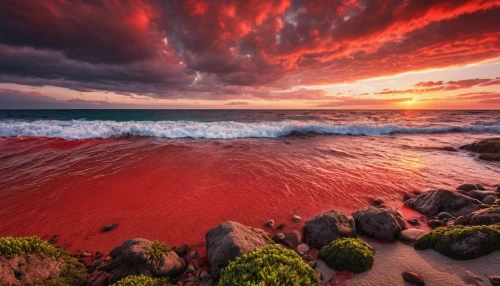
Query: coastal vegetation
351, 254
157, 249
272, 265
142, 280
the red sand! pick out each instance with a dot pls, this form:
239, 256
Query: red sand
176, 190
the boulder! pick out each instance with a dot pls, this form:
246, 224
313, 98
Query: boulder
467, 187
23, 269
324, 228
485, 216
134, 257
490, 145
433, 202
229, 240
480, 195
489, 200
292, 239
380, 223
411, 234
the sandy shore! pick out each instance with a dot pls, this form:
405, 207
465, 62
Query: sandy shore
392, 259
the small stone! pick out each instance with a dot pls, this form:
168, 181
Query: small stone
414, 278
433, 223
190, 268
377, 201
85, 254
109, 227
204, 276
446, 220
182, 250
484, 206
307, 257
107, 258
302, 249
194, 254
96, 263
489, 200
443, 215
411, 234
279, 237
98, 254
495, 280
450, 223
413, 221
480, 187
270, 222
292, 239
312, 264
461, 220
296, 218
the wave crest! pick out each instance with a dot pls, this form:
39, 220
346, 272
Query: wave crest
82, 129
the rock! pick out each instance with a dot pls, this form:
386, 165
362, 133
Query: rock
279, 237
296, 218
488, 146
489, 200
444, 215
85, 254
270, 223
467, 187
449, 223
132, 258
413, 221
407, 196
480, 187
411, 234
193, 254
229, 240
450, 149
182, 250
461, 220
446, 220
302, 249
433, 202
379, 223
484, 206
413, 277
109, 227
292, 239
480, 195
495, 280
433, 223
96, 263
281, 226
26, 268
377, 201
486, 216
324, 228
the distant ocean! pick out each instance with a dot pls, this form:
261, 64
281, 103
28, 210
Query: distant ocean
171, 175
225, 124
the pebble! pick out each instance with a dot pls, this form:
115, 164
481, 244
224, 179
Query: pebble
444, 215
414, 278
109, 227
281, 226
435, 223
489, 200
270, 222
461, 220
302, 249
296, 218
85, 254
279, 237
96, 263
413, 221
182, 250
194, 254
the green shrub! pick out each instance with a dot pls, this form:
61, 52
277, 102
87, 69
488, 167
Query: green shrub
442, 239
272, 265
72, 272
156, 249
351, 254
142, 280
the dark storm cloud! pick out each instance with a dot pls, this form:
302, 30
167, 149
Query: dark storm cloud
237, 49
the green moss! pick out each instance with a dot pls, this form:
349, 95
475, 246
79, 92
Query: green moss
156, 249
142, 280
351, 254
72, 272
272, 265
441, 239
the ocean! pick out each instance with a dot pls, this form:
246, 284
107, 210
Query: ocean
171, 175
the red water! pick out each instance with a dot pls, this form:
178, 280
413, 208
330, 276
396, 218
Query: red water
176, 190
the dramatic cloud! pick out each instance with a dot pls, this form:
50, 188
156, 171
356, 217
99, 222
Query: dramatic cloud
241, 50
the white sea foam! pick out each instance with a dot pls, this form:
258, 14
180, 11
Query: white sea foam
82, 129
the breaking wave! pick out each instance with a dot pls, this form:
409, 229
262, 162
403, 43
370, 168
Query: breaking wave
83, 129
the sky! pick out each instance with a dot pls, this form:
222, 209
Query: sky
345, 54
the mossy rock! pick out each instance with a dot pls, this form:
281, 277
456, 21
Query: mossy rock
271, 265
462, 242
351, 254
142, 280
71, 271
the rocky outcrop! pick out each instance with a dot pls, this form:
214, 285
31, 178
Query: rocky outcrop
485, 216
141, 256
433, 202
25, 268
380, 223
324, 228
229, 240
489, 149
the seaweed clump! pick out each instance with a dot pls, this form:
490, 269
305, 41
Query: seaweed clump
142, 280
157, 249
